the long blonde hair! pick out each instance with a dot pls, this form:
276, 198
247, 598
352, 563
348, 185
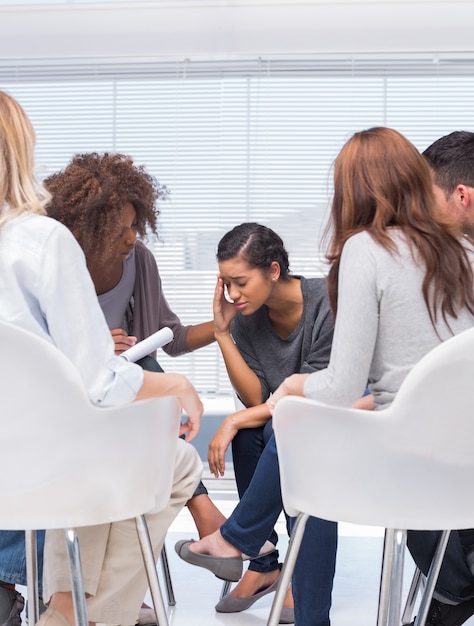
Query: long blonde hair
381, 181
20, 192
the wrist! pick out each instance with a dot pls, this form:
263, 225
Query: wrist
295, 384
231, 422
222, 336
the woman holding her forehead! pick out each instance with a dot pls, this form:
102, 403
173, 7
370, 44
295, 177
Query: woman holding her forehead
276, 324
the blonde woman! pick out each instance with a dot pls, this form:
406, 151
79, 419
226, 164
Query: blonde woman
42, 271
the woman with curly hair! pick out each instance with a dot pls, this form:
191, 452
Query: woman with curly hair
107, 201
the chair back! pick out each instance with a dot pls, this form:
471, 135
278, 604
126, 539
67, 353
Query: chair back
66, 462
408, 466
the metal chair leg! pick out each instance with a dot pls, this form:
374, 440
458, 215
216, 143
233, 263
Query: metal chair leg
415, 588
226, 585
151, 572
287, 569
396, 582
77, 581
390, 594
32, 575
165, 567
432, 578
384, 590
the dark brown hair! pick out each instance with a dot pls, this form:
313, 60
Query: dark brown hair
258, 245
452, 160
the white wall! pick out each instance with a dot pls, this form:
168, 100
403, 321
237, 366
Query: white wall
219, 29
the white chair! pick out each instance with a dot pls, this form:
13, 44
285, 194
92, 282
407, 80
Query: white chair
72, 471
389, 468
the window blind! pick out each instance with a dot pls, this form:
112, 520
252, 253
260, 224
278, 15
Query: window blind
234, 141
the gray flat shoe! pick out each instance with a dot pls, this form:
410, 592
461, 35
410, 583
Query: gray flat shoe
225, 568
231, 604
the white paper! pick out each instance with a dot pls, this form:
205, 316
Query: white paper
150, 344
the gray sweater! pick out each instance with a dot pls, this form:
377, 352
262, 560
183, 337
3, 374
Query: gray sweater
307, 349
382, 324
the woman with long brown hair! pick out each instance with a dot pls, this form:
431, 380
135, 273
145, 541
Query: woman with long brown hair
400, 278
400, 282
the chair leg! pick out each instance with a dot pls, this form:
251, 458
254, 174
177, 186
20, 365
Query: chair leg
287, 569
432, 578
32, 576
384, 590
391, 580
77, 581
150, 568
400, 543
415, 588
226, 585
165, 566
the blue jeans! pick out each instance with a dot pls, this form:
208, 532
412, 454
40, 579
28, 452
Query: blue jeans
247, 448
13, 557
252, 523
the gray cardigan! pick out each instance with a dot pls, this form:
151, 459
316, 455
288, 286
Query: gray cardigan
149, 309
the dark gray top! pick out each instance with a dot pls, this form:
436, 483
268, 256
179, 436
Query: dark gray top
307, 349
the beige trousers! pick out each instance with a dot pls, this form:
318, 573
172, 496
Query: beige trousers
114, 574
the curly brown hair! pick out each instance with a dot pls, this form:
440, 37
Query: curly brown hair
88, 196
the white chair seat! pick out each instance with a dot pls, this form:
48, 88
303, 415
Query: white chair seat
389, 468
81, 465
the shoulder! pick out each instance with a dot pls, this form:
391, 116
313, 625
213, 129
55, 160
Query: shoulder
145, 259
143, 252
314, 289
42, 225
364, 241
362, 250
359, 241
38, 232
314, 285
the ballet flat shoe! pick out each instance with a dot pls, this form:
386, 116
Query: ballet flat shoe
226, 568
232, 604
287, 615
